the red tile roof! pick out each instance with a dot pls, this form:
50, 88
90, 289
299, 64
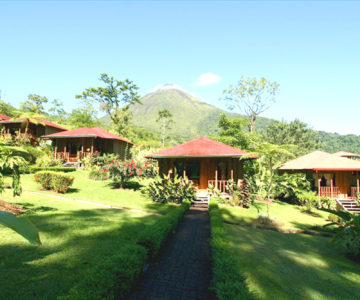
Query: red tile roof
86, 132
20, 120
4, 117
201, 147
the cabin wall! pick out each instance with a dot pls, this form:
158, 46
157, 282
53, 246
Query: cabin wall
208, 168
50, 130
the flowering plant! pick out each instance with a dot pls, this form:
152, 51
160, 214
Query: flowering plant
122, 172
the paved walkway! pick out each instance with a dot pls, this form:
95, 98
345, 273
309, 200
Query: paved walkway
183, 269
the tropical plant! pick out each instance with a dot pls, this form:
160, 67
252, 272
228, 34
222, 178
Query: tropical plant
348, 231
57, 181
122, 172
307, 199
165, 189
22, 226
240, 193
165, 119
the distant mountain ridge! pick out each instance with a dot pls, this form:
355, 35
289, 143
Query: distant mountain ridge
194, 118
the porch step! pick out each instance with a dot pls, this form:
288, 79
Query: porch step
349, 205
72, 164
201, 201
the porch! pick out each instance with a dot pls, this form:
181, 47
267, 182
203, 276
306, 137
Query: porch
69, 157
343, 191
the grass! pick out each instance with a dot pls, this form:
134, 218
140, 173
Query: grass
83, 245
293, 266
98, 191
286, 216
280, 265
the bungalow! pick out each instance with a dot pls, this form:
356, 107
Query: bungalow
73, 145
33, 127
334, 175
204, 162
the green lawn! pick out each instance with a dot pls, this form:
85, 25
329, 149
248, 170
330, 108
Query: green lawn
75, 236
293, 266
97, 191
290, 217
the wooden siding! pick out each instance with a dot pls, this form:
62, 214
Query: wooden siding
342, 179
208, 167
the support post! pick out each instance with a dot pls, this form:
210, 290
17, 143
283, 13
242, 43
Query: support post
216, 178
92, 146
357, 186
331, 189
55, 152
319, 188
184, 174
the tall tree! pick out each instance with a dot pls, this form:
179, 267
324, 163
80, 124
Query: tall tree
165, 119
270, 158
295, 133
84, 116
116, 99
251, 97
34, 104
57, 110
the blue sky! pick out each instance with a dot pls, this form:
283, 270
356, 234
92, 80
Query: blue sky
312, 49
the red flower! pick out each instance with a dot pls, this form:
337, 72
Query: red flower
130, 174
112, 161
106, 170
146, 164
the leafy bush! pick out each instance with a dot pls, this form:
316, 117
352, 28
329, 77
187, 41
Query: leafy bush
240, 193
48, 161
98, 174
289, 186
348, 232
228, 282
56, 181
35, 152
307, 199
34, 169
176, 189
122, 172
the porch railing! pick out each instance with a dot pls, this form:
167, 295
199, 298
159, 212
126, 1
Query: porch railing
354, 191
220, 185
328, 191
66, 155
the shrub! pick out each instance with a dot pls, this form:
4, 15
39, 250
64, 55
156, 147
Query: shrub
98, 174
35, 152
122, 172
56, 181
33, 169
240, 193
48, 161
228, 282
308, 199
348, 232
176, 189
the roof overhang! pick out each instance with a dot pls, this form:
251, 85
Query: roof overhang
69, 136
339, 169
199, 156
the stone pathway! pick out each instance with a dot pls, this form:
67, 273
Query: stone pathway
182, 270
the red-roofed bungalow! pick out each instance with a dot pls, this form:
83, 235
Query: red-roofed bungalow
203, 161
73, 145
34, 127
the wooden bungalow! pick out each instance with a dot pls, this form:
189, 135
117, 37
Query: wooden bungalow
73, 145
333, 175
34, 128
204, 162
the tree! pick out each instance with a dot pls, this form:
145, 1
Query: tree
165, 118
252, 97
57, 110
85, 116
295, 133
233, 133
34, 104
270, 158
116, 99
7, 109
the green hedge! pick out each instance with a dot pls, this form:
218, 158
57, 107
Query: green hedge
228, 282
34, 169
153, 237
56, 181
112, 276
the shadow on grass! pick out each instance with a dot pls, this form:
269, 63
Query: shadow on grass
72, 191
31, 208
74, 243
293, 266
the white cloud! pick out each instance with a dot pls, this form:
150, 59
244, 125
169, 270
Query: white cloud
207, 79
